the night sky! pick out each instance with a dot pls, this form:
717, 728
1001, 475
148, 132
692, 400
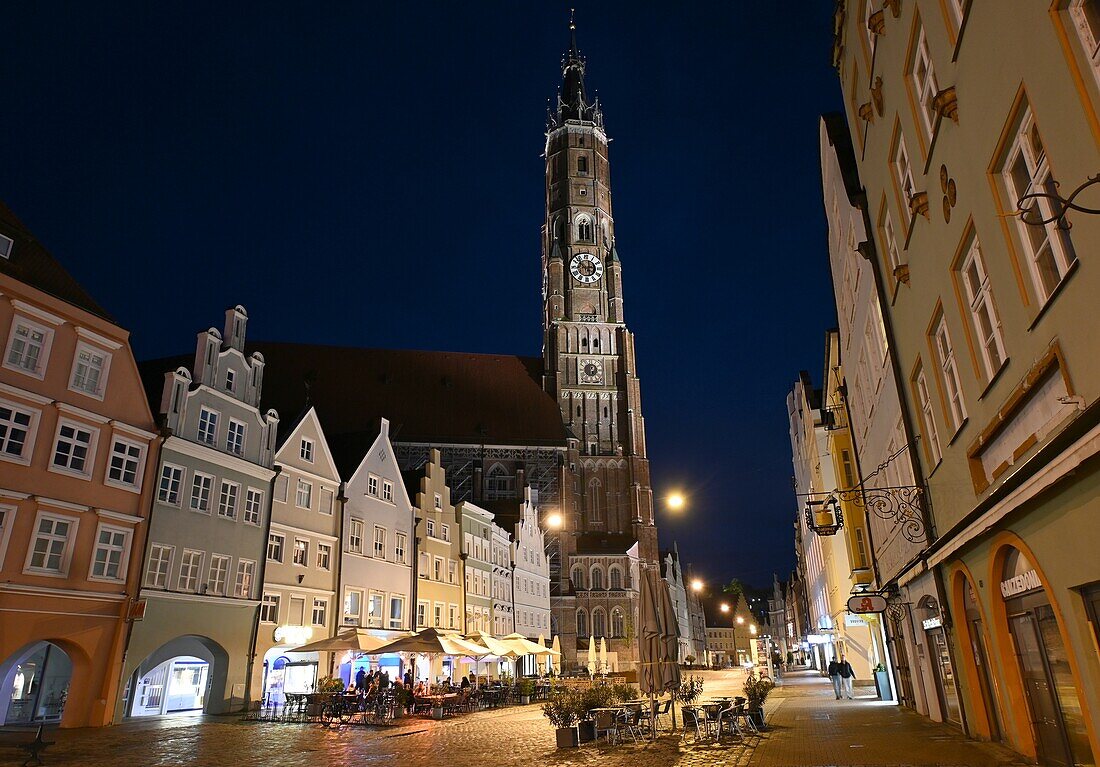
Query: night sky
370, 175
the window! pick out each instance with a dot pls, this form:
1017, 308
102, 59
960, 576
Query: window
445, 533
234, 438
1027, 171
374, 608
325, 504
380, 542
618, 627
438, 501
949, 373
5, 246
582, 164
208, 426
452, 616
438, 614
431, 528
301, 552
275, 544
90, 370
219, 575
599, 623
932, 437
303, 495
597, 580
269, 609
7, 520
253, 506
324, 556
171, 479
202, 485
438, 571
425, 565
320, 612
227, 503
355, 536
1086, 19
372, 486
353, 605
584, 229
190, 570
578, 578
108, 560
924, 82
28, 347
861, 549
615, 575
158, 566
893, 254
421, 614
72, 451
230, 380
387, 490
16, 432
305, 450
903, 172
400, 541
983, 312
246, 577
582, 623
282, 487
452, 571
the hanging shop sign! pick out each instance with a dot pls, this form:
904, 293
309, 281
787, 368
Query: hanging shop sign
851, 619
293, 635
1020, 583
932, 623
866, 603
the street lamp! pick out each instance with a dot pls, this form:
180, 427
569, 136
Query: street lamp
724, 607
696, 585
740, 619
675, 502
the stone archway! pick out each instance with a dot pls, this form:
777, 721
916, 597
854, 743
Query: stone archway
35, 682
201, 655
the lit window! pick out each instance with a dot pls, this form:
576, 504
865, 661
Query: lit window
301, 552
190, 570
234, 438
108, 560
983, 312
126, 460
28, 347
90, 370
208, 426
324, 556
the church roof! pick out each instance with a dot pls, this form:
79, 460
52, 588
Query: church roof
573, 102
605, 544
30, 263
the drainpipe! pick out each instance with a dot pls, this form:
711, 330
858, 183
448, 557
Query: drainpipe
462, 558
338, 607
262, 576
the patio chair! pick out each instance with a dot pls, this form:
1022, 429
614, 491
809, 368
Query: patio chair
714, 721
727, 720
743, 721
607, 723
694, 720
634, 724
664, 713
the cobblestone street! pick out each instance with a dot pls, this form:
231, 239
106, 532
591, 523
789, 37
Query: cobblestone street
807, 726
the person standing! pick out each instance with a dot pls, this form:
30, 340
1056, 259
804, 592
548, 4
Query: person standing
834, 676
847, 674
361, 680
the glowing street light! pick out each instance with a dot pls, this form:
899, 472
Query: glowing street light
752, 629
696, 585
740, 619
724, 607
554, 521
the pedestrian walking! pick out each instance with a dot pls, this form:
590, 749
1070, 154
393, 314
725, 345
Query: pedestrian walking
847, 674
834, 677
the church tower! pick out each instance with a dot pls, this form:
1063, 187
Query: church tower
588, 352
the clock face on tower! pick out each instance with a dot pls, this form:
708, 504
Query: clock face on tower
586, 268
591, 371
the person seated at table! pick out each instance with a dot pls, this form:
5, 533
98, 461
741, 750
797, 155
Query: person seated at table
465, 683
421, 689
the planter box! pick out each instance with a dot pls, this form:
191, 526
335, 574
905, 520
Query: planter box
567, 737
524, 700
587, 729
757, 716
882, 685
437, 712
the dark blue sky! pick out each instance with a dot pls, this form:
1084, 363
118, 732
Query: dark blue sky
369, 174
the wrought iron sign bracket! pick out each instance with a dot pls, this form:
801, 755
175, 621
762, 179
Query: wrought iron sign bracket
1029, 208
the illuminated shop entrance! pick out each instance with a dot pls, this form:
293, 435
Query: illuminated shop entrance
176, 686
35, 684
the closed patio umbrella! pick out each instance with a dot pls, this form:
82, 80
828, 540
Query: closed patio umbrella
591, 656
555, 645
603, 655
649, 635
670, 641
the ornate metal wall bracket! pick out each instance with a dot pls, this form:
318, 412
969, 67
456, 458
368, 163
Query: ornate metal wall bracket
900, 506
825, 517
1029, 209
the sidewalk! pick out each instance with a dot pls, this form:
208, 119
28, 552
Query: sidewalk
808, 726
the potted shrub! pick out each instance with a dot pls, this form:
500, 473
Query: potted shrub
563, 710
689, 689
689, 660
325, 688
526, 690
596, 696
756, 692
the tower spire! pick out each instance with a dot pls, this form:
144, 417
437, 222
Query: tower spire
573, 52
573, 103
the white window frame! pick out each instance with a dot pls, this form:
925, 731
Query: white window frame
424, 567
355, 539
319, 606
245, 567
305, 449
7, 521
358, 614
928, 417
400, 620
387, 491
82, 347
445, 532
42, 361
239, 428
213, 417
89, 460
980, 301
903, 173
308, 486
893, 252
378, 548
123, 552
1041, 179
925, 86
25, 455
270, 603
277, 546
437, 569
376, 619
400, 547
253, 506
231, 380
164, 495
437, 614
438, 502
324, 556
213, 571
139, 470
303, 550
372, 485
166, 575
1088, 36
422, 608
326, 501
949, 373
234, 495
430, 524
197, 570
67, 549
195, 478
282, 488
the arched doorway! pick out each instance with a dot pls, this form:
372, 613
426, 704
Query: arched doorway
940, 654
1050, 691
34, 684
184, 676
972, 634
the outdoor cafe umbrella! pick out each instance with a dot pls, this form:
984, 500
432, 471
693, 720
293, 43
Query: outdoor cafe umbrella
555, 645
603, 654
591, 656
657, 640
528, 647
670, 642
546, 660
355, 640
432, 642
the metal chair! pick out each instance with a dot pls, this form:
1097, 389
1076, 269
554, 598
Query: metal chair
633, 722
664, 713
743, 721
607, 723
696, 720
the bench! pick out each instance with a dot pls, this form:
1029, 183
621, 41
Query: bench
34, 747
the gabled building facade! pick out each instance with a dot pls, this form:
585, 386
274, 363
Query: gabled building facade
674, 578
298, 603
503, 597
477, 556
208, 532
531, 575
78, 456
439, 582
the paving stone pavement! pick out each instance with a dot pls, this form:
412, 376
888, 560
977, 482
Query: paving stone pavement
806, 727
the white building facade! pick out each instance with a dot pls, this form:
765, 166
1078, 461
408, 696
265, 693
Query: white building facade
532, 571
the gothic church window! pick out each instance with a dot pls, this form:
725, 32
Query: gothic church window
582, 623
615, 575
599, 622
582, 165
578, 578
618, 627
597, 578
584, 229
499, 483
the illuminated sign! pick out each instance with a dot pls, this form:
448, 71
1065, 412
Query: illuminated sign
817, 639
932, 623
293, 635
866, 603
1021, 583
853, 620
